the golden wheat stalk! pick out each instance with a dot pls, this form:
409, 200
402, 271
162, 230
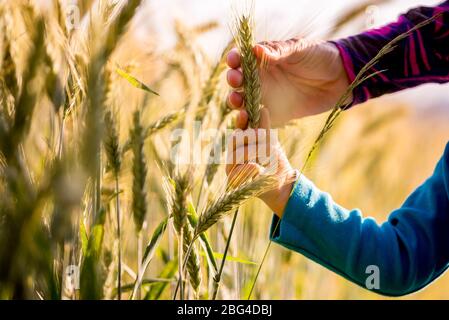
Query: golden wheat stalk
113, 153
232, 199
182, 184
139, 172
244, 39
119, 25
193, 260
26, 101
178, 201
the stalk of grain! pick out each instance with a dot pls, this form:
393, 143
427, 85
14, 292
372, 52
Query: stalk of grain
178, 203
217, 277
219, 141
244, 39
160, 124
251, 89
113, 154
231, 200
228, 201
119, 25
182, 185
26, 100
9, 68
20, 204
149, 254
205, 27
95, 81
193, 260
139, 172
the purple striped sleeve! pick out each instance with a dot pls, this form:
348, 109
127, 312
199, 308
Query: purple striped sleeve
422, 57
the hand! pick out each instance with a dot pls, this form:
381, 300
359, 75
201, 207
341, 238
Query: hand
298, 78
246, 160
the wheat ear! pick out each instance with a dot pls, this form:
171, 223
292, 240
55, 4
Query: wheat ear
139, 172
193, 260
231, 200
113, 153
178, 203
251, 86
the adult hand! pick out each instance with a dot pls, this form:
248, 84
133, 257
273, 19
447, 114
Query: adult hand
298, 78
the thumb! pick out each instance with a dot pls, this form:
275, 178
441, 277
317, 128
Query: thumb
242, 173
265, 54
273, 52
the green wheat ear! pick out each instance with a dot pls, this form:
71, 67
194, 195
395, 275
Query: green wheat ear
251, 88
139, 173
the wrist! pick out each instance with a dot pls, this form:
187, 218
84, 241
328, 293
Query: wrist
284, 196
343, 70
277, 199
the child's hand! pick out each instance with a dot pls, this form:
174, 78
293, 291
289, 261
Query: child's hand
299, 78
256, 151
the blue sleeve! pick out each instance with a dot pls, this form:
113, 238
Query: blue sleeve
410, 250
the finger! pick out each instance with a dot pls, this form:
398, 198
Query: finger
242, 173
235, 100
242, 120
234, 78
240, 155
235, 170
273, 52
242, 138
259, 51
266, 55
233, 58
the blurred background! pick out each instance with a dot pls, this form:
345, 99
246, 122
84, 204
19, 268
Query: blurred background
376, 154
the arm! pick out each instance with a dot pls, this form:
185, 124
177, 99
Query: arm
423, 57
411, 249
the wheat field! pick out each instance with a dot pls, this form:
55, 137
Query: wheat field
92, 205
